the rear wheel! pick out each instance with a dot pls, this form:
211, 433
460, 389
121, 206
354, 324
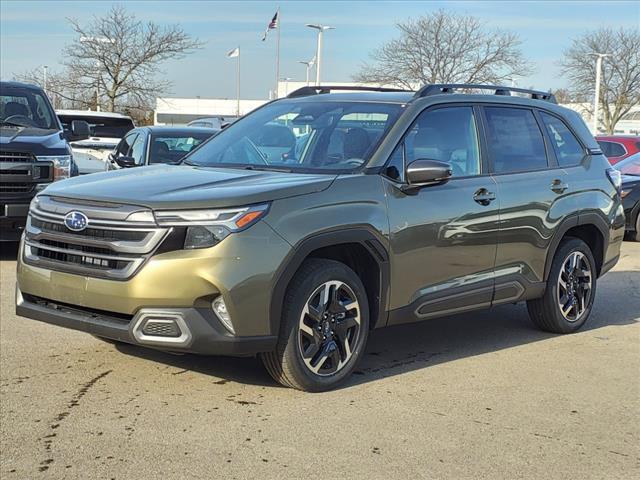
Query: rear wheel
324, 327
570, 291
635, 236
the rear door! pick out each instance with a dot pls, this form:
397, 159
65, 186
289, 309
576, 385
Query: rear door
534, 197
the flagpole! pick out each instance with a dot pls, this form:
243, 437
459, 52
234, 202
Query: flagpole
238, 85
279, 20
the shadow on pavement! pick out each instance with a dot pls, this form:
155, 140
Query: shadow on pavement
400, 349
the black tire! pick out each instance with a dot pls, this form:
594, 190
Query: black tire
545, 312
286, 364
635, 236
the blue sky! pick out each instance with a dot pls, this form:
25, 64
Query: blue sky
33, 34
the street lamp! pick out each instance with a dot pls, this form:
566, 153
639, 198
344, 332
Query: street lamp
320, 29
308, 64
99, 41
596, 100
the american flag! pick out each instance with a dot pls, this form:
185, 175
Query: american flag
273, 24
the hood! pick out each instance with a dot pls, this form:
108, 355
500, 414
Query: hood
183, 186
38, 141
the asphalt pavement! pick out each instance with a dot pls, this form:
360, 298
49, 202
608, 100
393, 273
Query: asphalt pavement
480, 395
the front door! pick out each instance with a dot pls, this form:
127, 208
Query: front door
443, 237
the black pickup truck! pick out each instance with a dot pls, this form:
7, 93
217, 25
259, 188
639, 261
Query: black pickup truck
34, 151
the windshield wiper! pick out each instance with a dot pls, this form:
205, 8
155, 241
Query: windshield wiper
267, 168
4, 123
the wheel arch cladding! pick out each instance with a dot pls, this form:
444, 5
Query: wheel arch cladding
360, 249
591, 228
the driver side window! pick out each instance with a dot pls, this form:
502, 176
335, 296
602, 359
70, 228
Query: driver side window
448, 135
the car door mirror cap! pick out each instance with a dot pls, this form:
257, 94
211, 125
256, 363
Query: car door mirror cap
125, 162
424, 172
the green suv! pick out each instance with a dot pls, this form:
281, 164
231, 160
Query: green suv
326, 214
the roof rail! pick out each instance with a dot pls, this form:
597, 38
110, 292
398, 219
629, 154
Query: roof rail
440, 88
317, 90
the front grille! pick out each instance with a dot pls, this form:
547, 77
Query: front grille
91, 233
110, 247
23, 157
6, 187
161, 328
14, 172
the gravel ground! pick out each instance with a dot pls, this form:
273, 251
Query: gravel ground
480, 395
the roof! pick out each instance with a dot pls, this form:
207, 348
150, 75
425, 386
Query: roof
91, 113
161, 130
12, 84
354, 96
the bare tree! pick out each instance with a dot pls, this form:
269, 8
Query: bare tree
445, 48
620, 81
120, 57
60, 90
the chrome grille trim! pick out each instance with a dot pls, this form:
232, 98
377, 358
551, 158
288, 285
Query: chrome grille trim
108, 248
25, 157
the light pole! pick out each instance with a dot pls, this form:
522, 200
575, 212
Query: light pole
44, 78
308, 64
98, 41
596, 100
320, 29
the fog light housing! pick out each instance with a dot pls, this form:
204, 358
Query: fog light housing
220, 309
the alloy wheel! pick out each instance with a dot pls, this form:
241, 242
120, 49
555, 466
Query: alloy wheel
329, 328
574, 286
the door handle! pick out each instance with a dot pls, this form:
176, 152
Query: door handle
484, 197
558, 186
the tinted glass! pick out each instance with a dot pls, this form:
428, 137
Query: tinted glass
124, 147
515, 141
567, 148
301, 136
27, 108
172, 148
137, 149
395, 168
100, 126
448, 135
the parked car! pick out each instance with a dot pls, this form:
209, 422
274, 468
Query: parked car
209, 122
149, 145
630, 169
618, 147
106, 130
33, 152
435, 203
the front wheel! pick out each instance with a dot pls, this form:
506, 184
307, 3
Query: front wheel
324, 327
571, 288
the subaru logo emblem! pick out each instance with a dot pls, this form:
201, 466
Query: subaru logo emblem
76, 221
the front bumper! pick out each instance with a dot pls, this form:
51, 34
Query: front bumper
13, 217
200, 332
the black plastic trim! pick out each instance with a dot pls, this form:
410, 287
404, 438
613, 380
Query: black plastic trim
364, 235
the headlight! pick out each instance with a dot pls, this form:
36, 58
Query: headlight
206, 228
61, 165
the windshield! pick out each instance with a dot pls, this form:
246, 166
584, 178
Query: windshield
26, 107
301, 136
105, 127
171, 148
630, 165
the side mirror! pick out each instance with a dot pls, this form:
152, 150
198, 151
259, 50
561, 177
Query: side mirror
423, 172
80, 130
125, 162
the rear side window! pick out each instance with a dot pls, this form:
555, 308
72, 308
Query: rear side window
515, 140
567, 148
